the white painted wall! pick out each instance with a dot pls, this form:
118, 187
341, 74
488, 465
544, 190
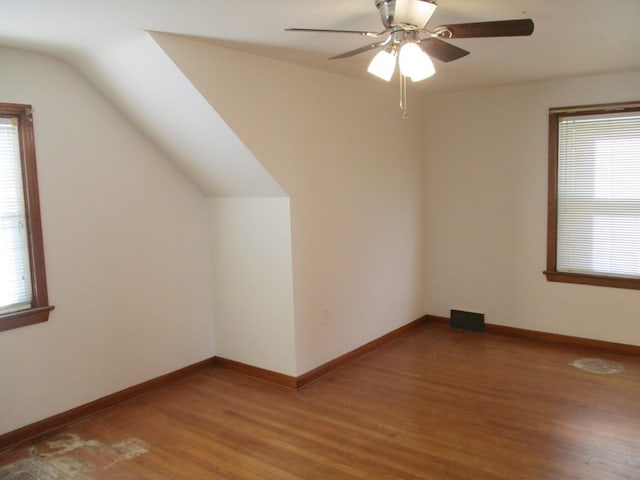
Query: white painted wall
486, 200
127, 252
253, 282
155, 96
353, 171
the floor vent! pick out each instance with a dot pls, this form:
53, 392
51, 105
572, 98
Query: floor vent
467, 320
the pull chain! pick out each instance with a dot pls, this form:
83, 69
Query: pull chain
403, 96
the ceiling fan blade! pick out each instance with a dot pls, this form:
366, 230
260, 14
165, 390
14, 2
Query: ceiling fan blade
499, 28
443, 51
324, 30
366, 48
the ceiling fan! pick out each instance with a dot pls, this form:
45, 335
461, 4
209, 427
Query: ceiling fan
406, 37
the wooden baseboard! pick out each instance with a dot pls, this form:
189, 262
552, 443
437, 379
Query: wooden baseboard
305, 379
61, 420
256, 372
501, 330
313, 375
437, 320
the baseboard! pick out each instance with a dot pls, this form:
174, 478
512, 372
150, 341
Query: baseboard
501, 330
324, 369
256, 372
437, 320
61, 420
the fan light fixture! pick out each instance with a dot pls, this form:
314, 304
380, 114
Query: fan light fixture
414, 63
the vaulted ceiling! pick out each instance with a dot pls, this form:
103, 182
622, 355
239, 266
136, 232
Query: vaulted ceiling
109, 43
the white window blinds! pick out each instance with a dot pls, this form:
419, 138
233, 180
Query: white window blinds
15, 275
598, 198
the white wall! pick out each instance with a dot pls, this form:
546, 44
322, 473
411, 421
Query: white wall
137, 76
486, 200
253, 282
353, 171
127, 252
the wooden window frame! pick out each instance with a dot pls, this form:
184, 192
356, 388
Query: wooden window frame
40, 308
552, 274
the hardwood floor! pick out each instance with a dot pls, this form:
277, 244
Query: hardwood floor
433, 404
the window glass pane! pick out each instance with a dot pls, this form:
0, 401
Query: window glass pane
613, 177
615, 244
15, 276
598, 198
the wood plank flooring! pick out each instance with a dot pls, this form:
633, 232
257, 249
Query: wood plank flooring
433, 404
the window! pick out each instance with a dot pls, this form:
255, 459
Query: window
594, 195
23, 286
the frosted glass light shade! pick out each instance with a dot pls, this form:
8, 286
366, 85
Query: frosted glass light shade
414, 63
414, 12
383, 65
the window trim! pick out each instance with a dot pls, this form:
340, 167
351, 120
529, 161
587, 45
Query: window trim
552, 274
40, 308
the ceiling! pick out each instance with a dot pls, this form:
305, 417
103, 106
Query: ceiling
107, 41
572, 37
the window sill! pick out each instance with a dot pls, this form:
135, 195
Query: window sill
597, 280
23, 318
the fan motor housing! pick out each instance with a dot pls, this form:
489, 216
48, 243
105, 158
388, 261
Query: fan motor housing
387, 9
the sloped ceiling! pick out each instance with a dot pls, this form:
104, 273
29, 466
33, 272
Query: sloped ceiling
108, 43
